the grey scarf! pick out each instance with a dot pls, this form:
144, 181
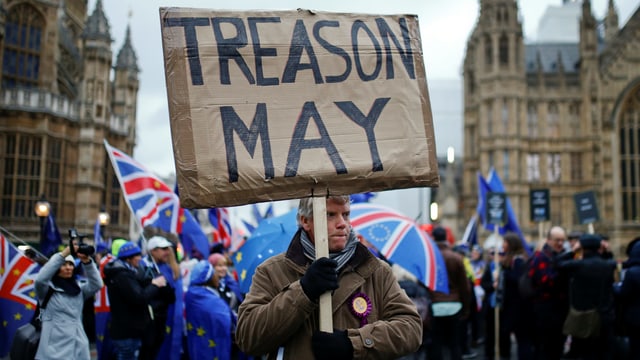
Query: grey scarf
341, 257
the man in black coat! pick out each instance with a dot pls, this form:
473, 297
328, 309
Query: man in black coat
591, 287
130, 293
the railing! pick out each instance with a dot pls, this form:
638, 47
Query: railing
36, 100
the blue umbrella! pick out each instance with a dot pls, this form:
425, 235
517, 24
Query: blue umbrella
271, 237
402, 242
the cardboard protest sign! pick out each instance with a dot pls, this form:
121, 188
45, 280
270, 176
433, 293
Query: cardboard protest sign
274, 105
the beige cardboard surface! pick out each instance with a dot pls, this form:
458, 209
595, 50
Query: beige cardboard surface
274, 105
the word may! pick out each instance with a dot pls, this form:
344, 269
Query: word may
231, 123
300, 43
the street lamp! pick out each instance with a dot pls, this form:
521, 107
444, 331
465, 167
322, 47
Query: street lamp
103, 220
433, 211
42, 209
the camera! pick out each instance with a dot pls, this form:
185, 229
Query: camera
83, 248
86, 249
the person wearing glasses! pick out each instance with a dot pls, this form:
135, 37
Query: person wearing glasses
161, 261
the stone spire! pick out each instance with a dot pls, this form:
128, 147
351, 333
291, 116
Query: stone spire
127, 59
97, 27
611, 23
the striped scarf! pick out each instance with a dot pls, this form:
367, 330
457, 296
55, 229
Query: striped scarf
341, 257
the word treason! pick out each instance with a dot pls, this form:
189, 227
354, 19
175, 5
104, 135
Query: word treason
227, 48
249, 136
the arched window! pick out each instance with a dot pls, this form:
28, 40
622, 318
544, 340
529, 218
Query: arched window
629, 137
22, 46
504, 49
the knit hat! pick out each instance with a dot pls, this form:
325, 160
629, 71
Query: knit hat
128, 250
215, 257
201, 273
70, 259
115, 246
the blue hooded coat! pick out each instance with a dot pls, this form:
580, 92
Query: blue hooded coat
210, 322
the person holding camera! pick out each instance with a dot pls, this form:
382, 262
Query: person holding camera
130, 293
63, 336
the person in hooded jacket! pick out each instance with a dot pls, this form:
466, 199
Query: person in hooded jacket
209, 317
628, 293
130, 293
63, 336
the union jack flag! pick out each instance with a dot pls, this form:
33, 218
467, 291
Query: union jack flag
153, 203
103, 314
219, 219
17, 292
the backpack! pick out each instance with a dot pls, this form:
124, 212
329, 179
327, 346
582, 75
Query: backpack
525, 283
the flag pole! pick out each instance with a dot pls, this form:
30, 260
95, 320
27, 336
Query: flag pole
321, 239
496, 309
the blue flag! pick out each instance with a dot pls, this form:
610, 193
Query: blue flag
171, 348
512, 221
470, 236
192, 237
52, 238
269, 212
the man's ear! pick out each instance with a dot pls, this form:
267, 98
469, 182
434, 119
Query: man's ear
307, 223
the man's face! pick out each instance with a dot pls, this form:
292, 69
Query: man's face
160, 255
338, 225
556, 239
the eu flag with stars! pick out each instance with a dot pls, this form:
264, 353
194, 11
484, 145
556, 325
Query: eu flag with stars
17, 293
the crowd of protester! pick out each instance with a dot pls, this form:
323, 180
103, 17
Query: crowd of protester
160, 303
523, 298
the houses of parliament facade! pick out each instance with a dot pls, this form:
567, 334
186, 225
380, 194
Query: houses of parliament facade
556, 115
63, 92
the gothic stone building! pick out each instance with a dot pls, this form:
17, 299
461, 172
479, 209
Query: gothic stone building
557, 116
61, 95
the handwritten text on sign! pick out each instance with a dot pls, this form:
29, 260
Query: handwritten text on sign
276, 105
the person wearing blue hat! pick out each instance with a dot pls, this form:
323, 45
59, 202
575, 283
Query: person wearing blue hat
209, 318
129, 295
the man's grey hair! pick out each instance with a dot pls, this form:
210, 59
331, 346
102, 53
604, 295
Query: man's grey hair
305, 208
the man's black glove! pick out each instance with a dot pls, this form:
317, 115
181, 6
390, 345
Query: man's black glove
336, 346
321, 276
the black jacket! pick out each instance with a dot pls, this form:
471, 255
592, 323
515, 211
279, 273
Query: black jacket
130, 293
629, 290
591, 283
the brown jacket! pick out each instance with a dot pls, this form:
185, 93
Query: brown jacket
276, 313
459, 287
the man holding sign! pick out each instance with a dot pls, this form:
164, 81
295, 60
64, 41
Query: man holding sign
372, 316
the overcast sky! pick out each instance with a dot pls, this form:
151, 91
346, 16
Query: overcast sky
444, 27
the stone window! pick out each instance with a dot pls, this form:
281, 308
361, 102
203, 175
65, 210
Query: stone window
23, 39
533, 167
629, 138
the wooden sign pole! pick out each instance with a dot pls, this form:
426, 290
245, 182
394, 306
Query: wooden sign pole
322, 250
